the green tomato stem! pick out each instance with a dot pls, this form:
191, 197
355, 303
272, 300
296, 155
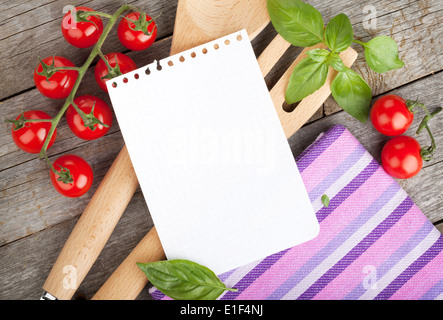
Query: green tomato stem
86, 14
50, 164
427, 153
105, 60
359, 42
411, 105
38, 120
79, 111
81, 72
67, 68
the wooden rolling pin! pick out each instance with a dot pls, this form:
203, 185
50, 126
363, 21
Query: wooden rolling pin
127, 281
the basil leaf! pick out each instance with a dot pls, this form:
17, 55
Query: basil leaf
336, 62
325, 200
307, 77
339, 33
318, 55
352, 93
381, 54
184, 280
297, 22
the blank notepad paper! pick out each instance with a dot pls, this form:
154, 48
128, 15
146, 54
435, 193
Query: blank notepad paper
213, 163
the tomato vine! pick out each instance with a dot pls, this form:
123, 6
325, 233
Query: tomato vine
51, 66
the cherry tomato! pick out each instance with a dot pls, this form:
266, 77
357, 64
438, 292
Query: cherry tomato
133, 36
32, 135
125, 65
102, 112
390, 115
81, 174
60, 83
82, 34
401, 157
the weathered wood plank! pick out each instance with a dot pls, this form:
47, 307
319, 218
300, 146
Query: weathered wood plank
25, 264
32, 29
413, 24
35, 221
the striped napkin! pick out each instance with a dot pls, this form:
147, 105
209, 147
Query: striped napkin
374, 242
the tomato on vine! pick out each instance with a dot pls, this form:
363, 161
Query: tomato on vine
391, 115
137, 31
94, 119
29, 134
401, 157
55, 77
116, 64
81, 31
58, 78
74, 176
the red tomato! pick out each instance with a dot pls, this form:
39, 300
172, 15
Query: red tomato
102, 112
401, 157
133, 36
125, 65
60, 83
82, 34
80, 172
390, 115
32, 136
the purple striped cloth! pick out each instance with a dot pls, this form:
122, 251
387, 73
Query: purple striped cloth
374, 242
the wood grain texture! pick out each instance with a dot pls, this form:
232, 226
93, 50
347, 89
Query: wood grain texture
36, 221
203, 21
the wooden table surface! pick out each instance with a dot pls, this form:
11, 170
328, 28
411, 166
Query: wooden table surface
35, 220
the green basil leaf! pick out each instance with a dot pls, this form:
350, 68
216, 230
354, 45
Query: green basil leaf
381, 54
339, 33
352, 93
318, 55
336, 62
297, 22
307, 77
325, 200
184, 280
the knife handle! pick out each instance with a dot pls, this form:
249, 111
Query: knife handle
93, 229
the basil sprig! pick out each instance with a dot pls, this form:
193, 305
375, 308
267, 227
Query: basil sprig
302, 25
184, 280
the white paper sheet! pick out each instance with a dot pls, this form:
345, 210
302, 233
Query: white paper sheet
214, 165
